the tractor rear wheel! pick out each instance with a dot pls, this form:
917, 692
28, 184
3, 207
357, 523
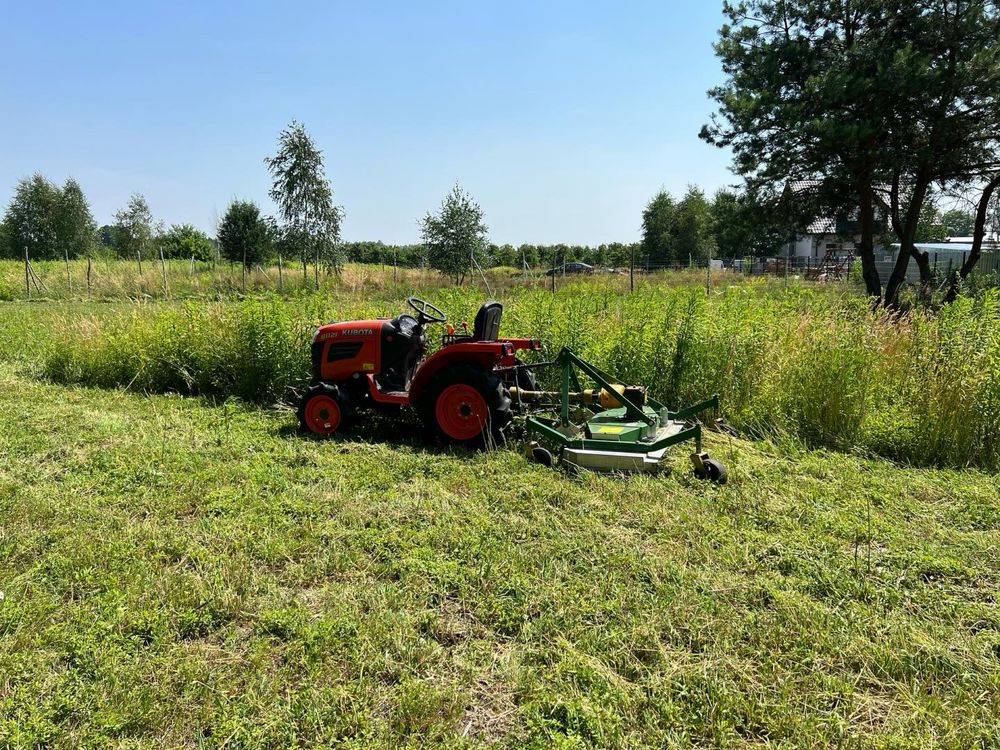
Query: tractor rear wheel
523, 379
324, 410
465, 405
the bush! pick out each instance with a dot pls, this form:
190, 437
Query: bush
185, 241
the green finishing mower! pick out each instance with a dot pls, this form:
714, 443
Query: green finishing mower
610, 427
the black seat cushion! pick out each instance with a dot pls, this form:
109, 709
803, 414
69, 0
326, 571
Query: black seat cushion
487, 324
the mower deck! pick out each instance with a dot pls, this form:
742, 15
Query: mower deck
621, 430
607, 428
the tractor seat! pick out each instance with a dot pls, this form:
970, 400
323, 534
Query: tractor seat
487, 324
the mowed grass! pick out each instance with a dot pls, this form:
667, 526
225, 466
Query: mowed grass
181, 574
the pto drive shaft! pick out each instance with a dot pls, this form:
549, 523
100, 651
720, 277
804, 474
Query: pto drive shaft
591, 397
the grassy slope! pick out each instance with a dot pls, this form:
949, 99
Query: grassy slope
175, 572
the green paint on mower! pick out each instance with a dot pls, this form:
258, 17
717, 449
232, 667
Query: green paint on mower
613, 427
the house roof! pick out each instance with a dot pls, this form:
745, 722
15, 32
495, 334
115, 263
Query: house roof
949, 247
883, 190
802, 186
826, 224
822, 226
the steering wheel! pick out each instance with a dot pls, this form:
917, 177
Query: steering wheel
422, 306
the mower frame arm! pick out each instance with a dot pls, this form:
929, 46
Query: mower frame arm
567, 359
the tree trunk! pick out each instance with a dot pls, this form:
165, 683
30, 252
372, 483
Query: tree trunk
907, 231
923, 260
869, 272
978, 235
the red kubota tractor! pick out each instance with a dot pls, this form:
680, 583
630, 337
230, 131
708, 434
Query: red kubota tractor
460, 391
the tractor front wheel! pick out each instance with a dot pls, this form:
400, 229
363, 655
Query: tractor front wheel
465, 405
324, 410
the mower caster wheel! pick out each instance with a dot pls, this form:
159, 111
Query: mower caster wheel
710, 468
541, 456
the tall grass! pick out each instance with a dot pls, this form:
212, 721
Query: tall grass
810, 363
253, 350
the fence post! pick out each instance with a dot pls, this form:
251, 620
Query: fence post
27, 278
163, 271
69, 279
316, 268
281, 280
631, 270
243, 271
88, 277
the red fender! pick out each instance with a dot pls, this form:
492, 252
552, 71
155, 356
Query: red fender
484, 354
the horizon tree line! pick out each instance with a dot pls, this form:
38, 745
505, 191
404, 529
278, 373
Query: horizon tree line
52, 222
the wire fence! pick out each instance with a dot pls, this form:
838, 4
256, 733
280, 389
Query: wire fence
108, 278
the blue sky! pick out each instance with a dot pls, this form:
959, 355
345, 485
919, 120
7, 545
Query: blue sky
561, 118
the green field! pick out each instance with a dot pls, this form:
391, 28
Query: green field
187, 570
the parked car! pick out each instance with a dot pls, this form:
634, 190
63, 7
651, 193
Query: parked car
574, 267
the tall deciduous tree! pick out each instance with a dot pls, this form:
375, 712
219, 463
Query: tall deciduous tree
658, 229
946, 107
305, 198
31, 222
745, 225
693, 226
244, 235
75, 224
958, 222
454, 234
133, 228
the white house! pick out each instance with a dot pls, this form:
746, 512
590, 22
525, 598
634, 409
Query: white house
826, 236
